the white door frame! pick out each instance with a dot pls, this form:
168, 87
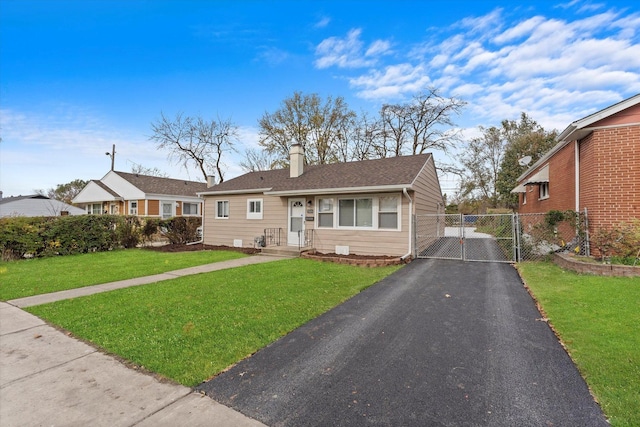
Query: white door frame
295, 212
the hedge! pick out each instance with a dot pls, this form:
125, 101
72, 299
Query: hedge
22, 237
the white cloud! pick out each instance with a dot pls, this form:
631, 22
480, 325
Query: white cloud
555, 70
349, 52
523, 29
323, 22
393, 81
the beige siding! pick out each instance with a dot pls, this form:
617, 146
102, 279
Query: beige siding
367, 242
428, 195
237, 226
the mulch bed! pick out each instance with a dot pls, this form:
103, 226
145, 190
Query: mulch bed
200, 247
354, 259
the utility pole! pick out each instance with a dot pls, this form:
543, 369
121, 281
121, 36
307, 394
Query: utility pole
112, 154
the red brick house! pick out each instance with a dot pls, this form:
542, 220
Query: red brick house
594, 166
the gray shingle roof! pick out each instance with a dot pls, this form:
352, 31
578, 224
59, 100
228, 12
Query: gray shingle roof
169, 186
392, 171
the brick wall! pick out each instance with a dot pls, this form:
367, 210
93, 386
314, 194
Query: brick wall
561, 184
610, 176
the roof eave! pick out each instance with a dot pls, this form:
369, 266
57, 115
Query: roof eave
341, 190
231, 192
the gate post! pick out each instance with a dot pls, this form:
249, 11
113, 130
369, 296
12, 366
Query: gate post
462, 248
516, 237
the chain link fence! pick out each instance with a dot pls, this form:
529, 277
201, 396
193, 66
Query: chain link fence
541, 234
500, 237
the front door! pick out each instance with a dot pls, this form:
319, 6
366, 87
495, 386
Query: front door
296, 221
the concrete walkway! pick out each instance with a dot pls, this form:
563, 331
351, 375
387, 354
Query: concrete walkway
96, 289
49, 378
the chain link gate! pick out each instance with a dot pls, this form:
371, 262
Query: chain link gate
489, 237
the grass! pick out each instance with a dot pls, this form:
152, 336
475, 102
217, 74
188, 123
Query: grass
43, 275
598, 320
191, 328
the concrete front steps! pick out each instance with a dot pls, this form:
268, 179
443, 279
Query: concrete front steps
287, 251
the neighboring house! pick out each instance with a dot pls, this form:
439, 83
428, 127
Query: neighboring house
36, 205
594, 166
363, 208
121, 193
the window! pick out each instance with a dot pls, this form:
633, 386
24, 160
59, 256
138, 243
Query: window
388, 212
524, 198
133, 207
325, 213
355, 212
254, 209
189, 208
167, 210
94, 208
544, 190
113, 209
222, 209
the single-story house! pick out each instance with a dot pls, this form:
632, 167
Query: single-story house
364, 207
121, 193
35, 205
594, 166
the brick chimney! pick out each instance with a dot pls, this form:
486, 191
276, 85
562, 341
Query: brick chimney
296, 160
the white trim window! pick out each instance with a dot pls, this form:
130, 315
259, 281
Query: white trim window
356, 212
94, 208
222, 209
544, 190
189, 208
360, 212
388, 212
325, 213
133, 207
254, 208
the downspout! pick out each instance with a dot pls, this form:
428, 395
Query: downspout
408, 254
576, 150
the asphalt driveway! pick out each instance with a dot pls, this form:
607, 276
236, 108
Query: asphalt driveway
440, 342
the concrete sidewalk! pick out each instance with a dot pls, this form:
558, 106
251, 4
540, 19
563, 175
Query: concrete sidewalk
49, 378
105, 287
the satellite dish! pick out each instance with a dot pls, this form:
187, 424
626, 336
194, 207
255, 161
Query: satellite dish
524, 161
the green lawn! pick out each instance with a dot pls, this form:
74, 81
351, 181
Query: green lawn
193, 327
598, 319
43, 275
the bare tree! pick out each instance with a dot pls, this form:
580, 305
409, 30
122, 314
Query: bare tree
423, 124
362, 138
394, 130
257, 160
141, 170
320, 127
194, 141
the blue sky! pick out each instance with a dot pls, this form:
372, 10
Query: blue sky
79, 76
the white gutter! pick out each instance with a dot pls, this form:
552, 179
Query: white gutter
341, 190
408, 254
229, 192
